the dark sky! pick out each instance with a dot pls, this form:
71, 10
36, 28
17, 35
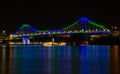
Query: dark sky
59, 15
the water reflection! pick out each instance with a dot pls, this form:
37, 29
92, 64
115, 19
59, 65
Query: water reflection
26, 59
115, 64
38, 59
94, 60
3, 60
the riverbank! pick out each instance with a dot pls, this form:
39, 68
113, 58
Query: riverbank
110, 40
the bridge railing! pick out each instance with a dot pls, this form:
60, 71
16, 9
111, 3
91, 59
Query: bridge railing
61, 32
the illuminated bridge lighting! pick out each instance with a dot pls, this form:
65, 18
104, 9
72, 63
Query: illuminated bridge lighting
83, 25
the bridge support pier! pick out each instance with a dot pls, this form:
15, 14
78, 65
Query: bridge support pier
86, 38
25, 40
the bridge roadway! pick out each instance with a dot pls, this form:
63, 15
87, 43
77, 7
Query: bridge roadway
61, 33
26, 38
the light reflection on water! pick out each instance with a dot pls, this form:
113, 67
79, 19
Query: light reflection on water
70, 59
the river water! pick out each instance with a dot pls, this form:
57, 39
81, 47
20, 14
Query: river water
69, 59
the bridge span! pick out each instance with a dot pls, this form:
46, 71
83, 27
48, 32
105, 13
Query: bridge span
83, 26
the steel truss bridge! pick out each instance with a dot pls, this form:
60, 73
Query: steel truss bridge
82, 26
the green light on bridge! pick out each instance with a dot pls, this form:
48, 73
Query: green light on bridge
44, 31
24, 25
97, 25
66, 28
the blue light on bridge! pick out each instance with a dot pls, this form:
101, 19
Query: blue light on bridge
83, 19
83, 25
82, 30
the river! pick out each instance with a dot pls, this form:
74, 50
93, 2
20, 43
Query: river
69, 59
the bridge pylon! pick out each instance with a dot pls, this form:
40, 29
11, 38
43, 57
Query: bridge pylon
25, 39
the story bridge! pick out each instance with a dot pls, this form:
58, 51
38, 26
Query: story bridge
82, 26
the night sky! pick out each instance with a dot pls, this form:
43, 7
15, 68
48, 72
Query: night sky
53, 16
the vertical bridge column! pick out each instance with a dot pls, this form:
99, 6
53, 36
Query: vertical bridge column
25, 40
86, 38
